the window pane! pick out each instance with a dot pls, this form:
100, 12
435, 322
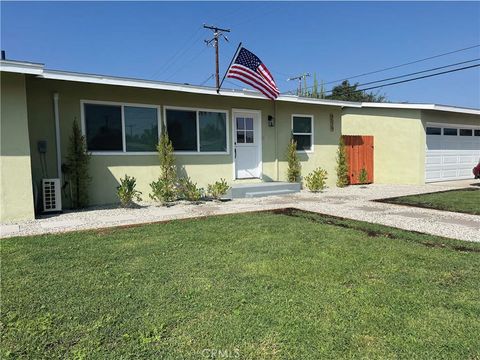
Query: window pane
304, 142
466, 132
249, 137
213, 131
141, 128
241, 137
302, 124
249, 123
103, 124
240, 123
434, 131
449, 131
477, 132
182, 129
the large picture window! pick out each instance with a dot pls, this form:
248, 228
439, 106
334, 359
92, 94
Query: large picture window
302, 132
120, 128
203, 131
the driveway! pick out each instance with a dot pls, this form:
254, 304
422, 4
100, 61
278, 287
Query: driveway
354, 202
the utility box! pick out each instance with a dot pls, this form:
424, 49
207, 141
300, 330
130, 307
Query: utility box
52, 195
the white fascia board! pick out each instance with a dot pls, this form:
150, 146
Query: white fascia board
421, 107
148, 84
21, 67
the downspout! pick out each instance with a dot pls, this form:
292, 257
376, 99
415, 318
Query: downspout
276, 138
57, 135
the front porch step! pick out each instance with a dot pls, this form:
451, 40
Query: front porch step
239, 191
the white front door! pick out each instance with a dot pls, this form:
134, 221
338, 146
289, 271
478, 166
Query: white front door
247, 144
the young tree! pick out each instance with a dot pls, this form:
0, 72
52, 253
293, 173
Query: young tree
294, 166
348, 92
342, 165
76, 168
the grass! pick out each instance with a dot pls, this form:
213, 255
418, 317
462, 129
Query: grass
462, 200
288, 285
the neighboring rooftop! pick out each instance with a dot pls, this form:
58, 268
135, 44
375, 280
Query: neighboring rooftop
39, 70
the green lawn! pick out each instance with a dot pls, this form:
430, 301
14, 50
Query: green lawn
250, 286
463, 201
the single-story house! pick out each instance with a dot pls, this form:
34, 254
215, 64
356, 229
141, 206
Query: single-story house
236, 135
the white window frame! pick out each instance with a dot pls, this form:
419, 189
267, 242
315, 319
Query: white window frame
311, 134
459, 127
124, 143
197, 110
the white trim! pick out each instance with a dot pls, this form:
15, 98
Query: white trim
197, 111
312, 122
124, 151
434, 107
258, 113
21, 67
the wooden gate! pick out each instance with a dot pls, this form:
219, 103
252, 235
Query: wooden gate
360, 156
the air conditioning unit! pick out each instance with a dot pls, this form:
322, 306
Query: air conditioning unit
52, 195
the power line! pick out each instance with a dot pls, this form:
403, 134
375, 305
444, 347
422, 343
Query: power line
396, 66
404, 64
420, 77
414, 73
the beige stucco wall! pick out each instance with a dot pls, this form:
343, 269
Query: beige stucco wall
399, 142
443, 117
203, 169
16, 196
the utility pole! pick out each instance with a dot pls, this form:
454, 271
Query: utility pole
300, 78
217, 33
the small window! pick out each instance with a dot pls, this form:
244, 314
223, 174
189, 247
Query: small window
434, 131
197, 130
302, 131
245, 132
466, 132
141, 128
476, 132
103, 125
450, 131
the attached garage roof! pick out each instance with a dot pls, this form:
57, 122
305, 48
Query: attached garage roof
40, 71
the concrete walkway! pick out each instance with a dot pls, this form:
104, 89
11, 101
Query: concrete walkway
353, 202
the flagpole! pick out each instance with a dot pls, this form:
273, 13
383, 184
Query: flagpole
233, 59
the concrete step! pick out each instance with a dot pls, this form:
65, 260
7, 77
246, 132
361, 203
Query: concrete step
239, 191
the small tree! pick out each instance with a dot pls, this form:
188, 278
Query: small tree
363, 176
342, 165
127, 191
76, 168
294, 166
165, 188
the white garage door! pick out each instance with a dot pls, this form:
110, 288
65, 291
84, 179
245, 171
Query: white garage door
452, 152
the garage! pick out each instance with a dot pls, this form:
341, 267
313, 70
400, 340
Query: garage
452, 151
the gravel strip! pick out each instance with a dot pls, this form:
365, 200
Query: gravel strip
353, 202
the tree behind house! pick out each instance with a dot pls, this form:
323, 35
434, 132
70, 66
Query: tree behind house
348, 92
76, 168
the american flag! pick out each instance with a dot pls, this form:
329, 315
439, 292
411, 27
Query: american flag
248, 68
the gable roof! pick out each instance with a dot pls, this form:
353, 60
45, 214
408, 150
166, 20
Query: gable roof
39, 70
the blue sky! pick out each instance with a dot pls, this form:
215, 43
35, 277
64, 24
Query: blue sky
164, 40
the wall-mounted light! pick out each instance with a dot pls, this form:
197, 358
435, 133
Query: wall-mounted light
271, 121
332, 128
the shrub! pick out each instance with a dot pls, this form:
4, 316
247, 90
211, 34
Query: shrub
342, 165
294, 167
217, 189
363, 176
316, 180
188, 190
126, 192
76, 168
165, 188
163, 191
